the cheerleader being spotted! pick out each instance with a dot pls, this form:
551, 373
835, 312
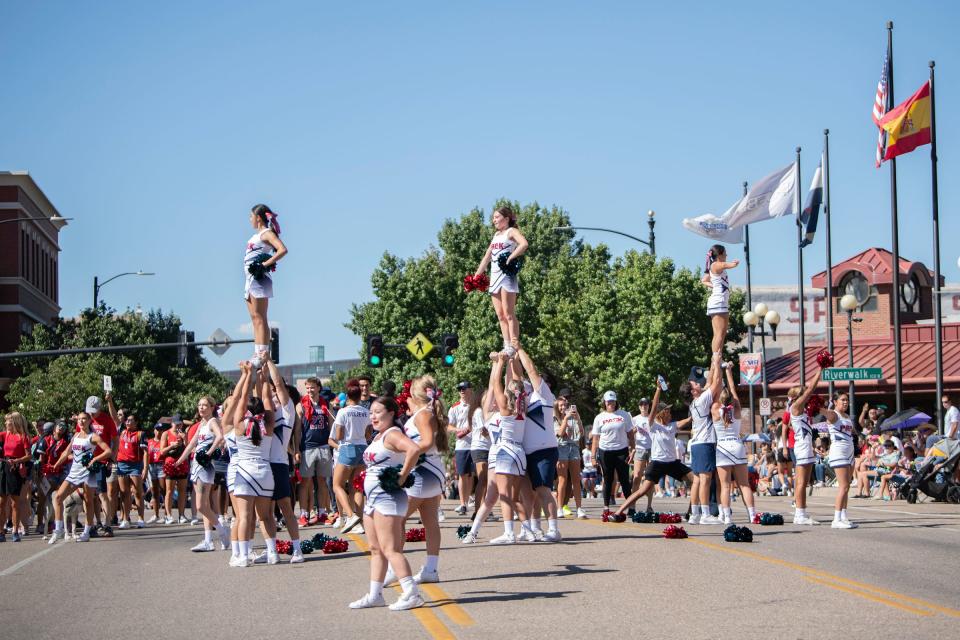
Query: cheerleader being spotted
264, 251
718, 304
507, 245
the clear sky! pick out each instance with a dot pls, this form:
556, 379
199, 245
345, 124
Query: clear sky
366, 124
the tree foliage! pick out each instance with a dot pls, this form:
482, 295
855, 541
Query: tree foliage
146, 382
589, 321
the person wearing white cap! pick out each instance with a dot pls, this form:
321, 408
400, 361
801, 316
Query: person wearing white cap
614, 438
699, 393
641, 455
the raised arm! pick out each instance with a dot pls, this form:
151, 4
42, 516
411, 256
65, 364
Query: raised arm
715, 381
496, 384
733, 390
528, 365
239, 401
282, 394
808, 390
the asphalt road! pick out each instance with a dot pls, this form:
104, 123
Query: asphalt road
896, 576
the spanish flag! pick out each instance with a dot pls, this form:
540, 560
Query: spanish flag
908, 125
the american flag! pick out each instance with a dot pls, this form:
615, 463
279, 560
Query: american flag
880, 105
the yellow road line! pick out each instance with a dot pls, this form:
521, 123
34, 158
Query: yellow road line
868, 596
448, 605
427, 618
824, 574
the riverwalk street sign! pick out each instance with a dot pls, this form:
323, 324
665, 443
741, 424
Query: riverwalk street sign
838, 374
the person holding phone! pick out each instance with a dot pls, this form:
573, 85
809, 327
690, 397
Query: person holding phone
569, 429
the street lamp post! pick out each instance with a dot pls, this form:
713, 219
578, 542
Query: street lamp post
97, 285
849, 304
755, 319
650, 241
50, 219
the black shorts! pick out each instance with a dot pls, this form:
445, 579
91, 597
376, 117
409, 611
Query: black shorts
655, 471
281, 481
220, 479
465, 463
11, 482
781, 459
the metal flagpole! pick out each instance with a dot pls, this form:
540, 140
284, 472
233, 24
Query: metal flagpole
897, 363
826, 219
746, 256
937, 323
803, 346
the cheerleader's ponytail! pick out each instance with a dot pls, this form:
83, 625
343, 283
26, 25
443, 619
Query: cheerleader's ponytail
713, 254
267, 217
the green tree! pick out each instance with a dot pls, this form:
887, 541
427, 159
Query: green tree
590, 322
146, 382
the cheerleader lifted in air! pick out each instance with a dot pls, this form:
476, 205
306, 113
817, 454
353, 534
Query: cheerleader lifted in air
264, 251
718, 304
503, 257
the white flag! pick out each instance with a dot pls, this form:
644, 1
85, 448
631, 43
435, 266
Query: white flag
716, 228
772, 197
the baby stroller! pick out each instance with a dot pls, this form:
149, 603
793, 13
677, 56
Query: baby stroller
935, 477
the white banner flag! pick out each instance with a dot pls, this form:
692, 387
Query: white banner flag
715, 228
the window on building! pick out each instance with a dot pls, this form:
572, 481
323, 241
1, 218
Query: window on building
856, 284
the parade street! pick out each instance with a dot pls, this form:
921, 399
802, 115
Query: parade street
894, 576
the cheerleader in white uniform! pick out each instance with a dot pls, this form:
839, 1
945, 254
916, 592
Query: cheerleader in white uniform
718, 304
803, 447
79, 477
731, 454
264, 242
840, 457
490, 419
251, 476
384, 512
511, 461
208, 438
480, 451
507, 240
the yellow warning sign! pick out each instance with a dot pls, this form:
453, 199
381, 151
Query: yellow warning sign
420, 346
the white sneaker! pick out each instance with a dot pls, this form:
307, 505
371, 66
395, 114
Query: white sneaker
183, 520
56, 535
553, 535
83, 537
840, 524
461, 510
368, 601
168, 520
710, 519
694, 518
195, 521
852, 525
203, 546
339, 521
390, 578
410, 600
273, 558
153, 519
526, 536
440, 516
141, 524
805, 521
581, 514
507, 538
725, 519
239, 561
351, 522
359, 529
124, 524
266, 557
297, 557
470, 538
259, 558
423, 576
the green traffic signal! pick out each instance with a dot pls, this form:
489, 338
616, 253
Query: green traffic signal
448, 360
375, 361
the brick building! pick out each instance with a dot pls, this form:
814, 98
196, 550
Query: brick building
29, 257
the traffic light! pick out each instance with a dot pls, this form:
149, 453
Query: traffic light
448, 344
275, 345
185, 350
375, 350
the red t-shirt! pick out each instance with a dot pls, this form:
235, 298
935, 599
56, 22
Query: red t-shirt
130, 447
14, 445
54, 449
153, 449
791, 436
104, 426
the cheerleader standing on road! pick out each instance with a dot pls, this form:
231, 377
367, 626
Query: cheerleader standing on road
511, 461
206, 440
384, 512
507, 241
803, 447
703, 440
490, 419
251, 477
731, 454
842, 437
718, 304
266, 248
84, 443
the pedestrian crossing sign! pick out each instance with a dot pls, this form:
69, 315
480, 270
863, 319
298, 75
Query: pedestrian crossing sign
420, 346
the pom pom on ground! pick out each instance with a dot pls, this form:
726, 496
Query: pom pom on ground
415, 535
284, 547
306, 547
733, 533
462, 531
768, 519
610, 516
319, 540
674, 532
669, 518
335, 545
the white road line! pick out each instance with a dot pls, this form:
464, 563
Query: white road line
26, 561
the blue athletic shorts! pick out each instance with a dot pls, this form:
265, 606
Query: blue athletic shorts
703, 457
542, 467
281, 481
465, 463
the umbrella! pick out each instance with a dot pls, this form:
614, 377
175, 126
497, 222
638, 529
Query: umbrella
906, 419
757, 437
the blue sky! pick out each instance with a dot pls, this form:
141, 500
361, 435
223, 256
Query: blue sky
365, 126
